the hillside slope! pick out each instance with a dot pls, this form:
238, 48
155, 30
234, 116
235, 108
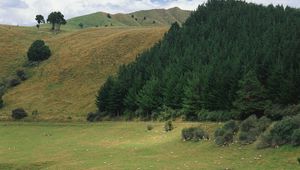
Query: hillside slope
155, 17
66, 84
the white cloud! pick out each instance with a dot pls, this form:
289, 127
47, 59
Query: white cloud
22, 12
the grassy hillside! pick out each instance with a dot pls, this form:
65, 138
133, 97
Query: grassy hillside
155, 17
66, 84
128, 146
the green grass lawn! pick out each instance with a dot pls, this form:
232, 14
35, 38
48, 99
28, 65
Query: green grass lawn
127, 145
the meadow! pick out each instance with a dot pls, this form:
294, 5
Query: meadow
128, 145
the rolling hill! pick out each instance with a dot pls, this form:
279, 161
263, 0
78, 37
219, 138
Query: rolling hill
66, 84
155, 17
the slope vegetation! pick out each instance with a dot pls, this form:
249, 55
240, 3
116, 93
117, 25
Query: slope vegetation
65, 85
228, 56
155, 17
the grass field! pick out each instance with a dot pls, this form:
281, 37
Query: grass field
127, 145
66, 84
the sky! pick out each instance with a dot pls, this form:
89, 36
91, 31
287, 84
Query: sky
23, 12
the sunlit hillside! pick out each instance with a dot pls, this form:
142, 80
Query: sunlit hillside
66, 84
155, 17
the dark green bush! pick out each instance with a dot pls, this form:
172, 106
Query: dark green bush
38, 51
169, 126
296, 137
277, 112
166, 113
18, 114
14, 82
194, 133
205, 115
264, 123
93, 117
231, 125
219, 132
265, 141
281, 133
224, 135
21, 74
298, 159
251, 128
1, 102
149, 127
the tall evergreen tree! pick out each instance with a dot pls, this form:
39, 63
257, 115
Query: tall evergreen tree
251, 97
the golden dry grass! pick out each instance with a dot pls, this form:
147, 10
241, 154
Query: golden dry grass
66, 84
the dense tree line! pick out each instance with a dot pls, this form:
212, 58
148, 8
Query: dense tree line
229, 55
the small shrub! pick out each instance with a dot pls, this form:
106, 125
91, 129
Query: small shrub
298, 159
92, 117
1, 102
219, 132
167, 113
38, 51
231, 126
220, 141
277, 112
108, 16
169, 126
21, 74
18, 114
34, 113
205, 115
251, 128
149, 127
14, 82
281, 133
265, 141
224, 135
264, 123
296, 137
194, 133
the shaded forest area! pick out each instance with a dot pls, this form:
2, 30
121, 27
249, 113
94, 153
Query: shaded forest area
231, 59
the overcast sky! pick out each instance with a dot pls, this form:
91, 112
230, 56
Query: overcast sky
22, 12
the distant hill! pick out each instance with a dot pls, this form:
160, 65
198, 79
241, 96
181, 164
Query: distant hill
154, 17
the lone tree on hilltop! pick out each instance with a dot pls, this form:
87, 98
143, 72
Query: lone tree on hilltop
56, 19
40, 19
38, 51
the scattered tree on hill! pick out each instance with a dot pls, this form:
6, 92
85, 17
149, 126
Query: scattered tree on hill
80, 25
145, 18
222, 58
18, 114
132, 16
56, 19
109, 16
38, 51
40, 19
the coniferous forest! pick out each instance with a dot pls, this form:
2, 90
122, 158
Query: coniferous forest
230, 59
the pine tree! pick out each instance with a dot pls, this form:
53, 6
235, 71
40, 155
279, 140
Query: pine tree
149, 97
251, 97
103, 96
